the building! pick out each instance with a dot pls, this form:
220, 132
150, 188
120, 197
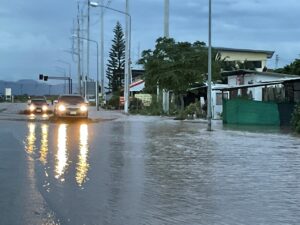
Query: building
275, 108
248, 77
258, 58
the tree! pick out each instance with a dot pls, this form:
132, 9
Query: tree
116, 61
293, 68
175, 65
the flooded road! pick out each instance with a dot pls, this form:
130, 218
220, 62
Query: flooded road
147, 170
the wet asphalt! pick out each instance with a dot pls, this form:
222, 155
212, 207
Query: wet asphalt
116, 169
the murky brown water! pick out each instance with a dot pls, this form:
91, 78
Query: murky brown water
154, 171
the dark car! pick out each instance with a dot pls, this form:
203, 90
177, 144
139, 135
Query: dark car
38, 105
71, 106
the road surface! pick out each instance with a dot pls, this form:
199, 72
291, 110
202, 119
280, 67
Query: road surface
117, 169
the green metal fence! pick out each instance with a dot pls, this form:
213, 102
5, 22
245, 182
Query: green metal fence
244, 111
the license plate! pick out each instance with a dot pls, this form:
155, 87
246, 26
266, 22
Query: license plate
39, 110
73, 113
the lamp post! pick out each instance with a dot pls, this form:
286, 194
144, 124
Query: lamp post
88, 38
127, 50
97, 82
209, 70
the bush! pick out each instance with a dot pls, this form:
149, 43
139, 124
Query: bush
114, 102
181, 115
194, 109
296, 119
135, 105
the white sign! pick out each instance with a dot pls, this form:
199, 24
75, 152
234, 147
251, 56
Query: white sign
7, 91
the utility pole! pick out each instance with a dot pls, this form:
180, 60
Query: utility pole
86, 78
78, 55
209, 70
102, 50
166, 18
166, 34
88, 44
127, 66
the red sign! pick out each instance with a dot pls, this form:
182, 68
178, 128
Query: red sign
121, 101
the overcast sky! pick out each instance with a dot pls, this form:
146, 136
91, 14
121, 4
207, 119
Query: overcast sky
36, 33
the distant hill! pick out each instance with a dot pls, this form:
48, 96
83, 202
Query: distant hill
27, 81
32, 87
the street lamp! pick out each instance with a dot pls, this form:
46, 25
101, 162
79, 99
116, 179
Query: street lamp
127, 51
97, 82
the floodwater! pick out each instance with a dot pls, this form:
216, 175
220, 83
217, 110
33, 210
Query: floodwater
147, 170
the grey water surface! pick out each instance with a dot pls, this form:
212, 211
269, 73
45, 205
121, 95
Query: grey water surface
147, 170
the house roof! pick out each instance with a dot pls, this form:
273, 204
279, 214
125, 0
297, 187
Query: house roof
244, 72
269, 53
262, 83
137, 86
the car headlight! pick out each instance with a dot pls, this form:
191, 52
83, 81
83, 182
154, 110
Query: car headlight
61, 108
45, 108
83, 108
31, 107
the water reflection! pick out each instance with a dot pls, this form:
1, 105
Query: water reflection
70, 145
30, 140
82, 165
61, 157
44, 144
31, 116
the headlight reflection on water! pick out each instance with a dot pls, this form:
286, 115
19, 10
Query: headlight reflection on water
61, 157
30, 140
82, 165
44, 144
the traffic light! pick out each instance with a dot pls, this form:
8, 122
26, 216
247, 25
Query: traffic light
41, 76
45, 78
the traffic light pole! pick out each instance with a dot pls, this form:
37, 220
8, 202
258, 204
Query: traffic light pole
69, 79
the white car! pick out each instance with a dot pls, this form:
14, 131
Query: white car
71, 106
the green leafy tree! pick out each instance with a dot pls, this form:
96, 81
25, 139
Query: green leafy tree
116, 61
293, 68
175, 65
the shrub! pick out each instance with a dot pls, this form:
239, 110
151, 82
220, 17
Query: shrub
135, 105
194, 109
114, 102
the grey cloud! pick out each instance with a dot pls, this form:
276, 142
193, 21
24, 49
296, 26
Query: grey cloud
34, 32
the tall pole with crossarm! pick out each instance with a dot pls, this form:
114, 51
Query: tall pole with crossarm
97, 63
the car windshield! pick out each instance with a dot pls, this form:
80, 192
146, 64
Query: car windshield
38, 101
71, 99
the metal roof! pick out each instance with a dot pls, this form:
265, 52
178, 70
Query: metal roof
243, 72
269, 53
262, 83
